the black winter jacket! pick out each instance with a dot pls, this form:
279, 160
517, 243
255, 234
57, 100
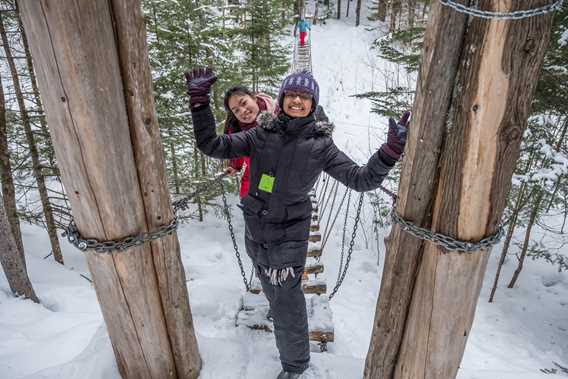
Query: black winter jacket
293, 151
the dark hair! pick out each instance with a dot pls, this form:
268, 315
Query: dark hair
231, 122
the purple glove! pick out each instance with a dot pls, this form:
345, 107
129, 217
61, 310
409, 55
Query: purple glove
396, 137
199, 82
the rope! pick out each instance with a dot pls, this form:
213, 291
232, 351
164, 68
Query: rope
515, 15
334, 189
343, 237
326, 202
327, 232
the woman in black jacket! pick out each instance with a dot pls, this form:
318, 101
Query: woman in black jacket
289, 151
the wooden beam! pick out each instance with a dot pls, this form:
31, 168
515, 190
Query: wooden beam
97, 95
443, 41
498, 71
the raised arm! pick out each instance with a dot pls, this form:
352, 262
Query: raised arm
224, 146
369, 176
360, 178
199, 82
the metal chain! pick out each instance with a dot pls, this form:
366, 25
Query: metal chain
515, 15
447, 242
83, 244
351, 244
231, 230
183, 203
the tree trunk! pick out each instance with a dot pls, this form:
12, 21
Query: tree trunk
535, 212
37, 99
559, 142
512, 224
107, 143
196, 169
358, 13
467, 187
394, 11
8, 189
411, 12
433, 95
346, 11
425, 9
532, 218
13, 262
36, 164
382, 12
339, 9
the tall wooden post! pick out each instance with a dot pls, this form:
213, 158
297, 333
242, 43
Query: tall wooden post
92, 68
428, 295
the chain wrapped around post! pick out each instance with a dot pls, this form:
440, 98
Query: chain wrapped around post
84, 244
447, 242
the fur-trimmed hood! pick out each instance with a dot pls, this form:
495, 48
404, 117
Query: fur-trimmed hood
267, 120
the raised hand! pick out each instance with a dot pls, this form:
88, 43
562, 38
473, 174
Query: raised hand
396, 137
199, 82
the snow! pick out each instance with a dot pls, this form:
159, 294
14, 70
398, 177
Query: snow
563, 41
523, 331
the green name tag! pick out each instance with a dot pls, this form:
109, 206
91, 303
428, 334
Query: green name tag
266, 183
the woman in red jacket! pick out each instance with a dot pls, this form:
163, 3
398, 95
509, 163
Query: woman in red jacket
242, 108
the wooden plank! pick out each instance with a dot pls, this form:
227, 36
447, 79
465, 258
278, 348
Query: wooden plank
256, 286
314, 227
314, 236
314, 287
320, 319
314, 269
322, 336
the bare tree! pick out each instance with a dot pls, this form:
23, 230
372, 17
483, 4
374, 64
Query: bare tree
36, 164
12, 261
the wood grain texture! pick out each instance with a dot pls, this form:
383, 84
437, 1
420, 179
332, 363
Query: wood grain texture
95, 108
442, 45
498, 72
148, 155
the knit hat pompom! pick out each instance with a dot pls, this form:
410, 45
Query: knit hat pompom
301, 81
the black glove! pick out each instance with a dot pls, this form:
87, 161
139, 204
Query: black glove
199, 82
396, 137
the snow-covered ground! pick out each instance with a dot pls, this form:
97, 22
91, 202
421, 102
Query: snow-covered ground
524, 331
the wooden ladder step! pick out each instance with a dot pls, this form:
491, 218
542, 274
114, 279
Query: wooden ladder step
314, 269
320, 319
314, 249
314, 286
315, 236
255, 286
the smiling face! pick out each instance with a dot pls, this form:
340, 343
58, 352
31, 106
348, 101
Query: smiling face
297, 104
244, 107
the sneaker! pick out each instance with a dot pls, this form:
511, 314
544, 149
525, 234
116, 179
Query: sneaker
288, 375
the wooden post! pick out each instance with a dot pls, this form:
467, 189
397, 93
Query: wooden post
422, 324
12, 260
93, 73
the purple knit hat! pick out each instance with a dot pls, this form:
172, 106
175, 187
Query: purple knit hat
301, 81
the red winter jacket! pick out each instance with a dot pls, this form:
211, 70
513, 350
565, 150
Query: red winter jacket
265, 104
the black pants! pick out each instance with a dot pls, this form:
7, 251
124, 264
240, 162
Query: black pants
288, 307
